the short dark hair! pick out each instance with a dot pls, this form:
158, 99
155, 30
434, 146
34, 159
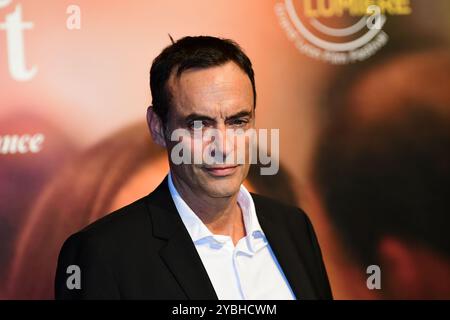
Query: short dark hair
198, 52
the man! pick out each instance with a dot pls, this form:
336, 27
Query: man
200, 234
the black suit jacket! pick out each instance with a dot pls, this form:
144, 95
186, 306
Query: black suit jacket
143, 251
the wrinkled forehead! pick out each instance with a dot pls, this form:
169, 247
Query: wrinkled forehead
217, 91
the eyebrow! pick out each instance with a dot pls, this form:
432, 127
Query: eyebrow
197, 116
240, 114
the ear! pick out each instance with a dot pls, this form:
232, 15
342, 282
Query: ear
156, 127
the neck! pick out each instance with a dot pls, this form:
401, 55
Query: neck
221, 215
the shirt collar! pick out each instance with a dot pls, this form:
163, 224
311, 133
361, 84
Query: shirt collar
198, 230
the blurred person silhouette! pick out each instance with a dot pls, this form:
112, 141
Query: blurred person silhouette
382, 170
23, 173
81, 194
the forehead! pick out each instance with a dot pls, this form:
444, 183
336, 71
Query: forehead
221, 89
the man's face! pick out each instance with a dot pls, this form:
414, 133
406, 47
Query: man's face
217, 98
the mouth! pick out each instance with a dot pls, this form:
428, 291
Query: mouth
221, 171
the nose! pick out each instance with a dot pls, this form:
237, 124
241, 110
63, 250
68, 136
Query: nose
222, 145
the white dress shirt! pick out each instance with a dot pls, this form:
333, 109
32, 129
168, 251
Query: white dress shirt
248, 270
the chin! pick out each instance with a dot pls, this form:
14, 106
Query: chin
220, 189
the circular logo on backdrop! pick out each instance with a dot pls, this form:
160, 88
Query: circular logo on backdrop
338, 31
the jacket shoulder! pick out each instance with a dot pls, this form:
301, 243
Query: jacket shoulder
98, 251
118, 225
275, 209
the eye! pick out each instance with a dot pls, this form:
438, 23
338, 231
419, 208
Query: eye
238, 122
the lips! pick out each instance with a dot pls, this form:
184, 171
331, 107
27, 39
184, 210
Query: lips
220, 171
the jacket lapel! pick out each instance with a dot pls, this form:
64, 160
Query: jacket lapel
179, 253
286, 253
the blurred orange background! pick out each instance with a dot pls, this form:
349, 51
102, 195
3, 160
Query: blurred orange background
89, 97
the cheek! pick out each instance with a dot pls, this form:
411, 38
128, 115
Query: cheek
192, 149
180, 150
